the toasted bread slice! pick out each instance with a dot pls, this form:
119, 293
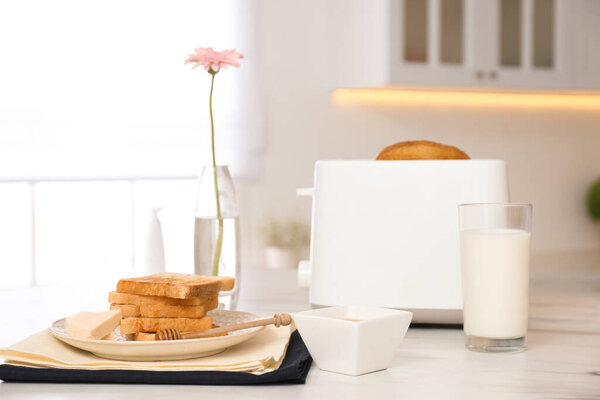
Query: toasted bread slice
149, 336
180, 286
128, 298
136, 325
159, 311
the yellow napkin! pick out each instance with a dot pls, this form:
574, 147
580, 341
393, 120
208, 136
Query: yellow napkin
262, 353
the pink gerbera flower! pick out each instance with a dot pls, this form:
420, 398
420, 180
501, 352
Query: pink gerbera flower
213, 60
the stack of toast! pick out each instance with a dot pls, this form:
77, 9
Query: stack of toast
167, 300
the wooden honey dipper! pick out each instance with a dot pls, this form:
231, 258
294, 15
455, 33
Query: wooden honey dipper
173, 334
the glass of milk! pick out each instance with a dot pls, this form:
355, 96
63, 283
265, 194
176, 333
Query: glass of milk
495, 241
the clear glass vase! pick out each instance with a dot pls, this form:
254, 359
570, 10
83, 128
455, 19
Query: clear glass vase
209, 227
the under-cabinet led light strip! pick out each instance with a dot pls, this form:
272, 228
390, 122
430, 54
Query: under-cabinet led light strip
469, 98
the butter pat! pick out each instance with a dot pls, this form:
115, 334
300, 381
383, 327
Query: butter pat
93, 325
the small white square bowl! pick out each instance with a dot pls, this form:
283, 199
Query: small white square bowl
352, 340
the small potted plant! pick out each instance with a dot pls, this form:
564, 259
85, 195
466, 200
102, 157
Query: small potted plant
593, 200
286, 242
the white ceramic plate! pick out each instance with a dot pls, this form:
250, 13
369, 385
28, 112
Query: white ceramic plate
164, 350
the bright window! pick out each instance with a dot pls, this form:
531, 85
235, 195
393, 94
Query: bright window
98, 89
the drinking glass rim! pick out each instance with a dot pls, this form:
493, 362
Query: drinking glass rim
514, 205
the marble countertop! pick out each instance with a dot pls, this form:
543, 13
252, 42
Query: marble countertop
562, 360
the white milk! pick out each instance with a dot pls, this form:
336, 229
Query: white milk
495, 279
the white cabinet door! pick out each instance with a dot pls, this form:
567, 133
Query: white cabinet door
536, 47
429, 42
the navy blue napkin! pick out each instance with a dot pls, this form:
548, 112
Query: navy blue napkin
294, 368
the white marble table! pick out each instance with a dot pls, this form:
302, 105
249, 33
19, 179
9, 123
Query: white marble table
563, 360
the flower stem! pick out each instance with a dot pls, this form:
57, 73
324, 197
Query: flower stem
219, 244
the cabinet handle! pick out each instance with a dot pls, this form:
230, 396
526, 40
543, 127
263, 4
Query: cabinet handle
493, 75
479, 75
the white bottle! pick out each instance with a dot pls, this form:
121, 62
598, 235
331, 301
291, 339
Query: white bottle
155, 250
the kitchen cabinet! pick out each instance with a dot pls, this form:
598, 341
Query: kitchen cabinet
538, 44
